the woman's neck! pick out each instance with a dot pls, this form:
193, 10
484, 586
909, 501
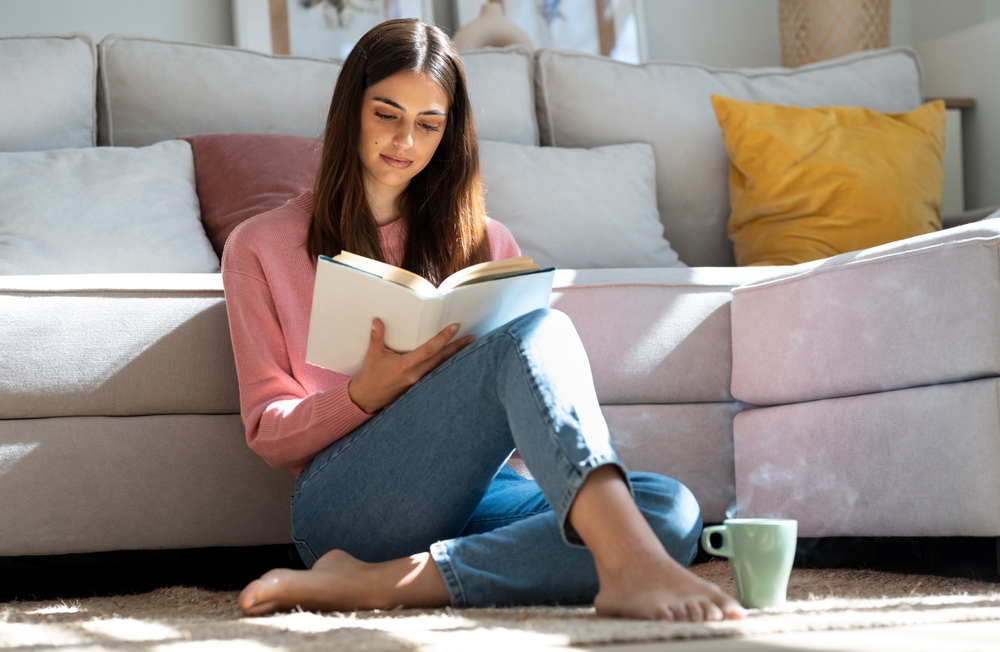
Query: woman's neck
384, 204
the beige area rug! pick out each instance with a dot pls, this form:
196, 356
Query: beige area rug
187, 620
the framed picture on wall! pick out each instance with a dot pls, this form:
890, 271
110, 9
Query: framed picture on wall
613, 28
325, 29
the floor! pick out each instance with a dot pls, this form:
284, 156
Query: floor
230, 569
958, 637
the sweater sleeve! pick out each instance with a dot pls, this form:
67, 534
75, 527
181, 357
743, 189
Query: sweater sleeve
502, 244
285, 424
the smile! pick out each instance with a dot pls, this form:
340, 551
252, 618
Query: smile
396, 162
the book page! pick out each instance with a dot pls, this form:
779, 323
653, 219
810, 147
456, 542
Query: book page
489, 270
389, 272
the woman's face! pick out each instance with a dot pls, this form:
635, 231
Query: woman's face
403, 118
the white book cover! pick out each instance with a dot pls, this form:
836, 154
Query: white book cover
346, 300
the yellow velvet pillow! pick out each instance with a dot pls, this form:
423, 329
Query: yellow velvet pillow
806, 184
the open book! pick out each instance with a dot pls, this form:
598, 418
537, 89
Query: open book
352, 290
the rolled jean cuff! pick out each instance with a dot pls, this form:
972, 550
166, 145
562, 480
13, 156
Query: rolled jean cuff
441, 554
576, 480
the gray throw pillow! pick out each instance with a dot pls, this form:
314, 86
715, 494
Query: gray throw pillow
578, 208
102, 210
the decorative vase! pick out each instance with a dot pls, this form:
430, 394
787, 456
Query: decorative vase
813, 30
491, 29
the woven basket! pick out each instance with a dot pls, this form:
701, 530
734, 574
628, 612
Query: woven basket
813, 30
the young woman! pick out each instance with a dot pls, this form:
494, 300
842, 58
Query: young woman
403, 494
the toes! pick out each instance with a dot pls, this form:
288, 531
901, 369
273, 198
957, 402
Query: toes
250, 599
732, 610
735, 613
712, 611
694, 610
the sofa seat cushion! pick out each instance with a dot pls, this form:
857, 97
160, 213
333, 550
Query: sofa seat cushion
102, 210
48, 92
588, 101
917, 462
916, 312
689, 442
89, 484
151, 90
658, 335
115, 345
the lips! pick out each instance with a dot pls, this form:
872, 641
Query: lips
397, 162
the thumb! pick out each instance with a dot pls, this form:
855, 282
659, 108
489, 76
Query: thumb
378, 333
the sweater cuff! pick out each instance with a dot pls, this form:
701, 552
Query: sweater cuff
336, 408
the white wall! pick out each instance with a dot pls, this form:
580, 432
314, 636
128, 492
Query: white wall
964, 64
722, 33
914, 21
744, 33
204, 21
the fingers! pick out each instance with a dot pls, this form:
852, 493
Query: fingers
432, 349
441, 339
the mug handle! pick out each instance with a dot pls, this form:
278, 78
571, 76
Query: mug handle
706, 535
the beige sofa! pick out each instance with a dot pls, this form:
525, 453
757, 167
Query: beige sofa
119, 424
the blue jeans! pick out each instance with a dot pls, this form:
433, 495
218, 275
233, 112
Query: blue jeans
428, 473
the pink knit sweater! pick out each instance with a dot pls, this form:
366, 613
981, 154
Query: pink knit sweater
293, 410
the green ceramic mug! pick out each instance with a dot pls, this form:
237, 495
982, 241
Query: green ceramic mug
760, 552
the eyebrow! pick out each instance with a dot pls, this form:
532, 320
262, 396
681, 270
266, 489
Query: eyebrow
393, 103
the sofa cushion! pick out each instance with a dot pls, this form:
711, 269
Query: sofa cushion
689, 442
502, 91
920, 311
88, 484
115, 345
919, 462
658, 335
49, 92
806, 184
578, 208
242, 175
587, 101
151, 90
101, 210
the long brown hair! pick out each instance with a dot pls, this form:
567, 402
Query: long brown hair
444, 202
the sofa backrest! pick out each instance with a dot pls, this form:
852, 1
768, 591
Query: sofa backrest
588, 101
47, 92
151, 90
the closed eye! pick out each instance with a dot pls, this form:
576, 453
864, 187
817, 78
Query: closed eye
384, 117
429, 127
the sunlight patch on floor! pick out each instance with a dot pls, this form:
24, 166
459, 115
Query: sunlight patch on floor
130, 629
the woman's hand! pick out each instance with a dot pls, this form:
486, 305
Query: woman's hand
385, 374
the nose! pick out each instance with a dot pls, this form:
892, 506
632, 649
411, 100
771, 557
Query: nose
403, 138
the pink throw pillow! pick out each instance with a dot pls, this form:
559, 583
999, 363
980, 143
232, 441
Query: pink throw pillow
242, 175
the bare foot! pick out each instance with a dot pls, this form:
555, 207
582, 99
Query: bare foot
334, 583
655, 587
340, 582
